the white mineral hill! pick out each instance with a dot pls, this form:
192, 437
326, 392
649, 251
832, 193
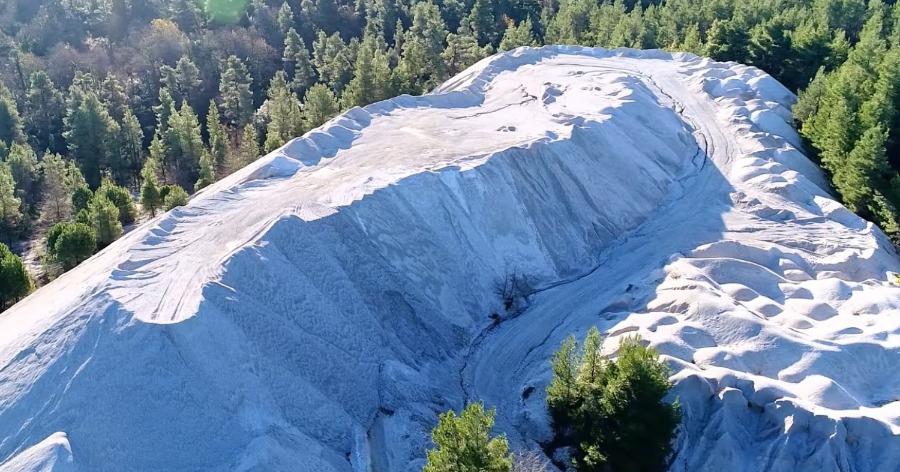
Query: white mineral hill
316, 310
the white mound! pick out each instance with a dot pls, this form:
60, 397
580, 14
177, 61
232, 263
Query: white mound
316, 310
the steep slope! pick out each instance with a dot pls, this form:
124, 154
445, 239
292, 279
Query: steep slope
316, 310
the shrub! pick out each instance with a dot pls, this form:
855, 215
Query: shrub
72, 243
15, 282
81, 198
464, 443
175, 196
105, 220
121, 198
612, 413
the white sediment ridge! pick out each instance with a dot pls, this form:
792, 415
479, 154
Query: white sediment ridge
316, 310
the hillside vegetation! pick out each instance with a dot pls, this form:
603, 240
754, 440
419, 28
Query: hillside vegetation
166, 96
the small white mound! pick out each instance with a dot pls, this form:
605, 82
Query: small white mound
316, 310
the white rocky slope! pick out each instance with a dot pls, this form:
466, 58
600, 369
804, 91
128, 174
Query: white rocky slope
316, 310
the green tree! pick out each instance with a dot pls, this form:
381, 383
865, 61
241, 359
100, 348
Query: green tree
218, 137
319, 106
517, 35
283, 113
60, 178
44, 110
151, 199
10, 205
70, 243
24, 166
184, 145
121, 198
332, 59
421, 66
175, 197
183, 81
462, 51
464, 443
207, 171
612, 414
14, 280
235, 96
10, 122
89, 134
297, 62
481, 20
104, 220
81, 198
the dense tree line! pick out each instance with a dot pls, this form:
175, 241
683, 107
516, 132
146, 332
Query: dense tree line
164, 97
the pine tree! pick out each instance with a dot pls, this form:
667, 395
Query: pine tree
248, 148
184, 145
150, 192
692, 41
130, 147
70, 243
283, 111
61, 178
462, 51
285, 18
319, 106
89, 132
121, 198
421, 66
362, 90
105, 220
113, 96
464, 443
207, 173
517, 36
10, 205
297, 62
331, 58
481, 20
235, 96
175, 197
23, 164
10, 122
164, 110
44, 110
218, 138
15, 282
183, 81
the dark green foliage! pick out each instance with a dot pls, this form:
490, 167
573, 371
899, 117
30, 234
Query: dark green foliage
14, 280
104, 217
121, 197
611, 413
81, 198
70, 243
464, 443
174, 196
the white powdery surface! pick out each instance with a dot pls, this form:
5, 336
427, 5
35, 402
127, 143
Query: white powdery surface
317, 310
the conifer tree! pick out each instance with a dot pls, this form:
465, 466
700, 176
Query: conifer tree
183, 81
207, 173
105, 220
462, 51
285, 18
10, 122
464, 443
60, 179
10, 205
184, 145
23, 164
319, 106
481, 21
89, 132
248, 148
121, 198
421, 66
517, 35
44, 110
331, 57
235, 96
130, 147
297, 62
218, 138
283, 111
150, 192
15, 283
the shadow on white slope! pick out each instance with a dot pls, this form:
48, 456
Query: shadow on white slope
317, 309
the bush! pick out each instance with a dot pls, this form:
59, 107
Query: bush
612, 413
15, 282
175, 196
105, 220
464, 443
121, 197
72, 243
81, 198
